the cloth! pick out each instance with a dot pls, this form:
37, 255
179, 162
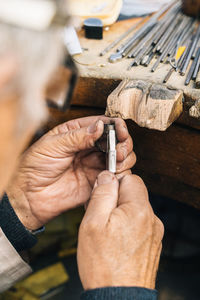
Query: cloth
17, 234
13, 237
120, 293
12, 266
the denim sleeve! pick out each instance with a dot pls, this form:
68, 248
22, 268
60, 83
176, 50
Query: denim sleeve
120, 293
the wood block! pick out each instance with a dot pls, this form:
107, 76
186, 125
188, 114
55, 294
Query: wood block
195, 110
150, 105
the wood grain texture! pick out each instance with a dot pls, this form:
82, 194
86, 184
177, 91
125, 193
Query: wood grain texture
149, 105
195, 110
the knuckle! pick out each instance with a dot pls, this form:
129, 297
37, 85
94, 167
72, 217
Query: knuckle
89, 227
145, 216
137, 181
159, 227
130, 143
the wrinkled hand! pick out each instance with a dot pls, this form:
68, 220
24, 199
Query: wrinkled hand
58, 172
120, 237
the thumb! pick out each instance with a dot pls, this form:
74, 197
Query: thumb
104, 198
82, 138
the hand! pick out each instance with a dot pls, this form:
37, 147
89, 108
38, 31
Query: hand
58, 172
120, 238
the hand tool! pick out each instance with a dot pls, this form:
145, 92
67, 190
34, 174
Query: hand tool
111, 147
195, 64
196, 70
123, 50
175, 62
187, 61
120, 38
107, 144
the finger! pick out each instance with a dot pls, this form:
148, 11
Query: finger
78, 123
127, 164
133, 191
122, 174
155, 251
124, 149
104, 198
81, 139
121, 129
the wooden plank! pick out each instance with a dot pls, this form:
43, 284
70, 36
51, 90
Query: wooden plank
173, 153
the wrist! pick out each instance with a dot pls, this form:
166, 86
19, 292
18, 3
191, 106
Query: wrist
20, 205
13, 229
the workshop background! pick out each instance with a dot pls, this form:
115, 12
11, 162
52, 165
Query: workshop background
53, 259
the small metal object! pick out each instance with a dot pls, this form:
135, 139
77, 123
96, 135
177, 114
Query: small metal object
107, 144
196, 70
125, 48
195, 41
192, 69
93, 28
111, 147
168, 75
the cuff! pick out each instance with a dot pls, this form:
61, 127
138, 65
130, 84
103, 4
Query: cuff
16, 233
120, 293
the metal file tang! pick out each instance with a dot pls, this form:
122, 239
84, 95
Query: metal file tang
111, 148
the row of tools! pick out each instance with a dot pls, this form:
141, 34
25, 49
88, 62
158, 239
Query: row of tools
168, 36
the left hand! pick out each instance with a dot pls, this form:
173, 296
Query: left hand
58, 172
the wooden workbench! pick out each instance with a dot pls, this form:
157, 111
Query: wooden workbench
168, 162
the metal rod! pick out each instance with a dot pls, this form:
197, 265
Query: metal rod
166, 21
168, 75
167, 34
196, 70
151, 56
191, 70
123, 52
120, 38
185, 66
144, 29
144, 42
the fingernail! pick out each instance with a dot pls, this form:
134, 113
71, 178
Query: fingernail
93, 127
105, 178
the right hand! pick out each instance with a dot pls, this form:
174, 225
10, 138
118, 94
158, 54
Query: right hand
120, 238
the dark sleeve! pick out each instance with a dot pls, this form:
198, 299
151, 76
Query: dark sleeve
120, 293
14, 230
